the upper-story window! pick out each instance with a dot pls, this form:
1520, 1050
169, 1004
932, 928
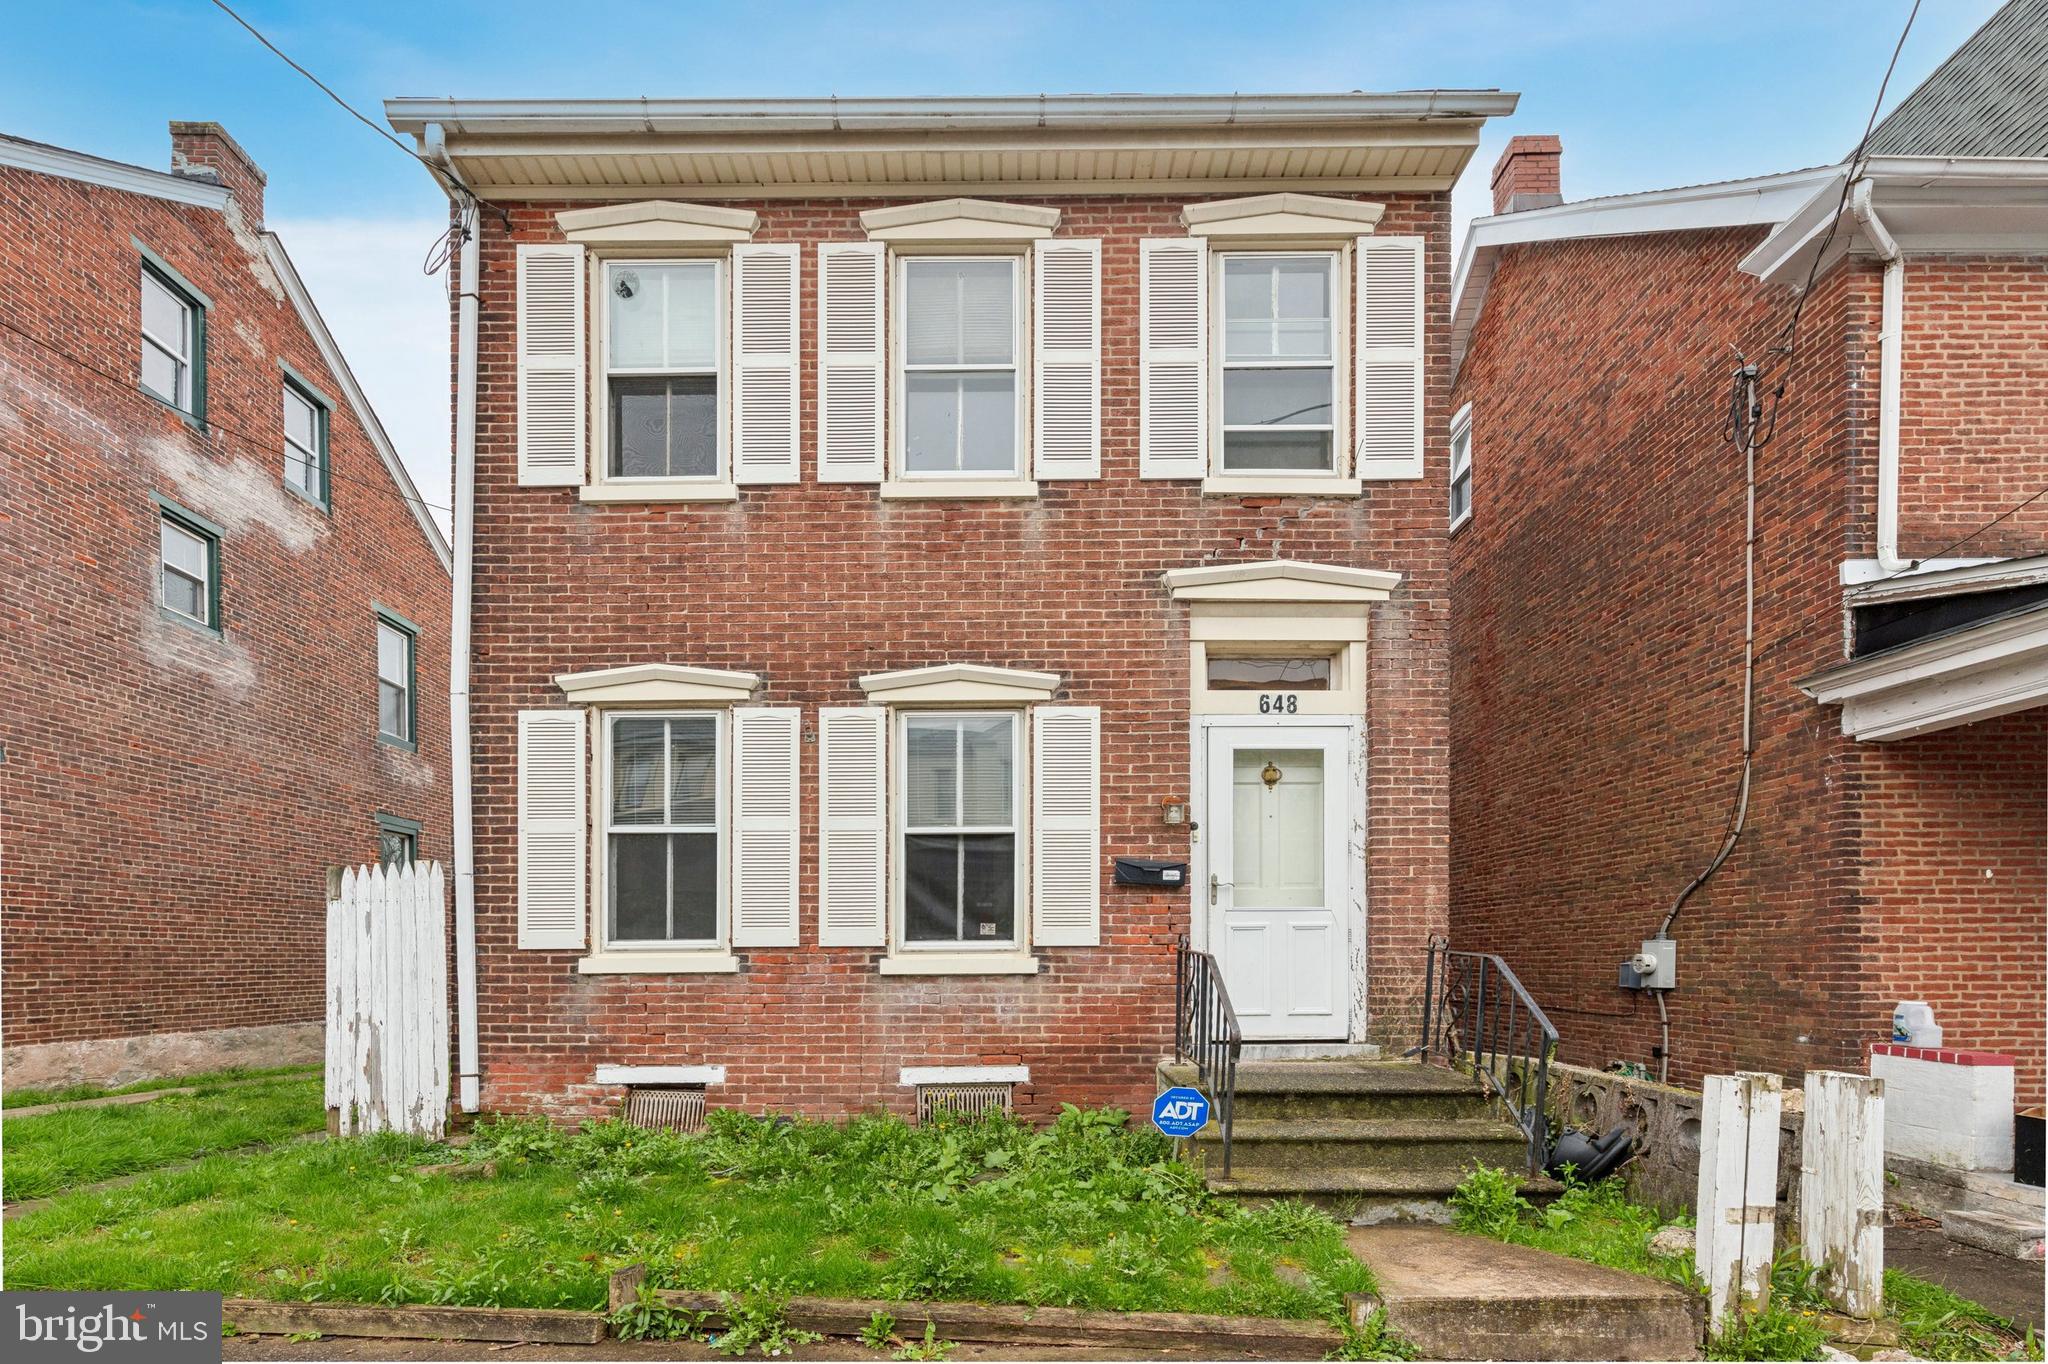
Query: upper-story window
663, 328
1278, 363
958, 373
397, 702
188, 568
1461, 467
305, 443
173, 341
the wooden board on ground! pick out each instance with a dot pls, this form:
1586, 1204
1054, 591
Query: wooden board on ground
413, 1323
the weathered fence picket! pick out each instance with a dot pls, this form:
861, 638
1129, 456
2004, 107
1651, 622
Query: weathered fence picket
1738, 1189
387, 1000
1841, 1189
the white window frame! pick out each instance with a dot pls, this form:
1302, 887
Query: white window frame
182, 354
720, 370
899, 829
1018, 475
209, 592
313, 458
1461, 466
600, 879
410, 701
1340, 364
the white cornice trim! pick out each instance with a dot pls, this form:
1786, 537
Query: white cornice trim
92, 170
950, 682
1975, 673
657, 222
656, 684
955, 220
359, 403
909, 1076
1865, 583
1280, 580
660, 1075
1282, 215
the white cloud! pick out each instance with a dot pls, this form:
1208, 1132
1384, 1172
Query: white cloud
391, 322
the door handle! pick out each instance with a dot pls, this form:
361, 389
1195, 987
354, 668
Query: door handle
1216, 885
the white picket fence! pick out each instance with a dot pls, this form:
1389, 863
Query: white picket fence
387, 1000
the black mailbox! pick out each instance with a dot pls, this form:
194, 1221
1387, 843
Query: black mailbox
1151, 871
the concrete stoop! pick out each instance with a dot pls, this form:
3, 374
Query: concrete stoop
1980, 1208
1995, 1230
1466, 1297
1369, 1141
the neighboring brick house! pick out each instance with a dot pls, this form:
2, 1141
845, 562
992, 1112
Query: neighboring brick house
1897, 829
888, 513
225, 625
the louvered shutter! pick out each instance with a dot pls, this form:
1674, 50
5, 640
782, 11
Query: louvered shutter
1066, 825
551, 385
1067, 359
851, 379
764, 822
853, 826
764, 421
1173, 345
1390, 330
552, 781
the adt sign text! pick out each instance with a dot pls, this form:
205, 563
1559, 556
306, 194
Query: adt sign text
1180, 1112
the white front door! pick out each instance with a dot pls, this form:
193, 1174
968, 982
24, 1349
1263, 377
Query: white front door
1278, 883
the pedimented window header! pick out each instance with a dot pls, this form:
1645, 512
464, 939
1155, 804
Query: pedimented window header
960, 220
1280, 580
953, 682
1281, 215
656, 684
656, 223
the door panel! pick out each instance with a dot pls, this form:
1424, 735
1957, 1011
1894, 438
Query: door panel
1280, 888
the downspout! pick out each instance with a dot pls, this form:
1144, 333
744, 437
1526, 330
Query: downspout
467, 284
1890, 380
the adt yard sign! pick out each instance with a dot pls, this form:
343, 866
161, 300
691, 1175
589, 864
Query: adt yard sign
1180, 1112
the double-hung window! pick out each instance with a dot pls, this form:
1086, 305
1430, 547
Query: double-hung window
397, 704
960, 845
305, 444
961, 336
1461, 466
1280, 399
664, 321
188, 570
398, 841
664, 819
173, 342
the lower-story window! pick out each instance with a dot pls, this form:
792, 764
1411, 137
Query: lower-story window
664, 820
961, 793
398, 841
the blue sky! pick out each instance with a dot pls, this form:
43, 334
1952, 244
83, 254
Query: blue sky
1645, 95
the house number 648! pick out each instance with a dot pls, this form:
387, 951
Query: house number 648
1278, 703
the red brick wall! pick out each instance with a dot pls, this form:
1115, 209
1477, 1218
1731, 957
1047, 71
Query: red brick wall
1956, 881
813, 586
1973, 433
173, 799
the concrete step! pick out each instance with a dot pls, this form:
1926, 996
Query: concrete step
1395, 1143
1360, 1089
1467, 1297
1995, 1230
1365, 1196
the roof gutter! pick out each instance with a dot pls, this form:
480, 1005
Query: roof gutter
1891, 377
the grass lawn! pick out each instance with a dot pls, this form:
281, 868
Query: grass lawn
27, 1098
1085, 1213
47, 1153
1598, 1223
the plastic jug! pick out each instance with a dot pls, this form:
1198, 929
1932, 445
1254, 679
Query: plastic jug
1913, 1024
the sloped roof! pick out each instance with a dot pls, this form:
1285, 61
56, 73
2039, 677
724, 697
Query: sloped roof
1990, 98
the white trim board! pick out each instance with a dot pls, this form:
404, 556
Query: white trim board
660, 1075
66, 164
1977, 672
911, 1076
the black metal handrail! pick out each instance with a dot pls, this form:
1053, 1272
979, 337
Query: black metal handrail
1475, 1013
1205, 1032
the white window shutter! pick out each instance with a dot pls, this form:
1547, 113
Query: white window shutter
764, 824
1066, 825
851, 353
553, 779
1067, 358
1173, 346
764, 346
551, 351
853, 826
1390, 335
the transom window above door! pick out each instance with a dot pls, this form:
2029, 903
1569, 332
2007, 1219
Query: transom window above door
662, 356
961, 793
1279, 373
959, 346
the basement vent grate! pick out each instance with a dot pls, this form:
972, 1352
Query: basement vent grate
679, 1108
966, 1101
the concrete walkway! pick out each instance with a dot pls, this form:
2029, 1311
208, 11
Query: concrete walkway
1468, 1297
2011, 1288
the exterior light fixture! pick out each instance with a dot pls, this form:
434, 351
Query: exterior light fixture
1173, 810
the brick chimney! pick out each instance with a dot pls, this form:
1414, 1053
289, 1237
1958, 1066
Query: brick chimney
204, 151
1527, 174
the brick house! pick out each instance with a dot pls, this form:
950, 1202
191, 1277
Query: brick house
889, 513
1896, 832
225, 627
